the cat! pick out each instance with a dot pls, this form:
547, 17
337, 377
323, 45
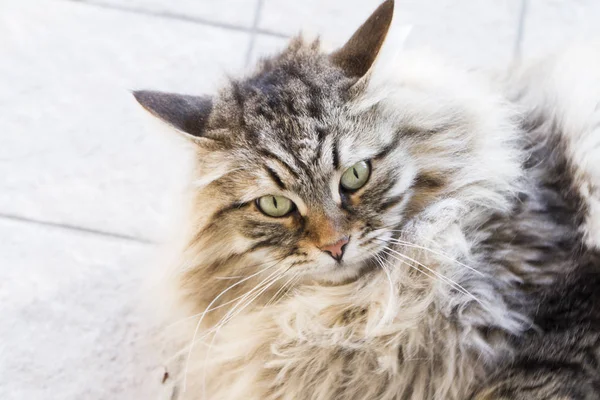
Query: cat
363, 230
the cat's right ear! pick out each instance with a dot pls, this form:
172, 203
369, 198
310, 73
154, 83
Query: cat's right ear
187, 114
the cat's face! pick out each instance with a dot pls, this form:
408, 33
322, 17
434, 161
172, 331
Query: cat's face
313, 181
305, 179
307, 167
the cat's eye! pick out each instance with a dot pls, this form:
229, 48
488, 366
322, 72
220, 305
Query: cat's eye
356, 176
275, 206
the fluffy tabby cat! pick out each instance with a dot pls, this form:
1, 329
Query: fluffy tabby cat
406, 231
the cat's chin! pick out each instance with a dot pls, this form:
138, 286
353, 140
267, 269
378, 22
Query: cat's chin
345, 273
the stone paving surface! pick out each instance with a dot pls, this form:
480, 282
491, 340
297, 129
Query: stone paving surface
87, 183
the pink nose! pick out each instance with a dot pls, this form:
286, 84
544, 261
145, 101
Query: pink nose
336, 250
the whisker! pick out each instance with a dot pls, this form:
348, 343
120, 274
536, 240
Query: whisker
293, 278
441, 276
207, 332
388, 310
205, 312
409, 264
215, 329
230, 315
290, 287
439, 253
225, 278
426, 267
267, 281
172, 324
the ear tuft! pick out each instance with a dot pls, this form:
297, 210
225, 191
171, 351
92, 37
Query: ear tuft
358, 54
186, 113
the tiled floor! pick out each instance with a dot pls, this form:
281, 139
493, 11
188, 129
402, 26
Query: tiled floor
87, 183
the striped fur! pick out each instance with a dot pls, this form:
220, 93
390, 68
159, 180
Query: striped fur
560, 359
481, 203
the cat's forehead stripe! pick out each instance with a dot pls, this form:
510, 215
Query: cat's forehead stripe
289, 106
267, 154
276, 178
336, 154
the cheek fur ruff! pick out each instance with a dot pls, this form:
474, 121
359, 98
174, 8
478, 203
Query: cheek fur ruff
401, 333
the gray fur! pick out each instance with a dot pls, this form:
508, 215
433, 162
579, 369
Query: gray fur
473, 258
559, 278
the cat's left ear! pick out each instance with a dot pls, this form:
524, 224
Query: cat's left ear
360, 52
188, 114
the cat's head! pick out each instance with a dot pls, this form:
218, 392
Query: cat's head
313, 164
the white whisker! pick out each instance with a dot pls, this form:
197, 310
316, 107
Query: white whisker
225, 278
230, 315
441, 276
439, 253
226, 318
388, 313
224, 304
206, 311
409, 264
293, 278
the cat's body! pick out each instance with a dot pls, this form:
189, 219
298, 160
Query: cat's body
462, 248
559, 101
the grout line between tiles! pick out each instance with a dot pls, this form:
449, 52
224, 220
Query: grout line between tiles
74, 228
180, 17
255, 23
518, 45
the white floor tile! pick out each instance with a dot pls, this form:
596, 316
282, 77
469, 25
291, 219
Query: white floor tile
72, 326
232, 12
553, 24
75, 146
476, 33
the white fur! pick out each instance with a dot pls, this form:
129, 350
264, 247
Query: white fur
410, 335
566, 87
300, 343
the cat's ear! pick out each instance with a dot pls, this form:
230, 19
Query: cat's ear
188, 114
358, 54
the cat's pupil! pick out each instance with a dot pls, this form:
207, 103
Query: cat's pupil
355, 173
274, 202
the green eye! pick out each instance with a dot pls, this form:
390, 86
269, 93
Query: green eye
275, 206
356, 176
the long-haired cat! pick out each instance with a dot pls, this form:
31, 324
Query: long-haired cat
363, 230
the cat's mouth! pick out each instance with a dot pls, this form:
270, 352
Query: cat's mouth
352, 274
347, 271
